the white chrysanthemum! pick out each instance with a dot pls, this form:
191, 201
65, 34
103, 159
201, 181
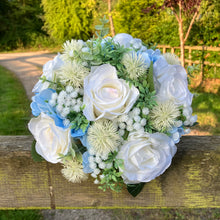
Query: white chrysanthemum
103, 136
73, 74
164, 115
71, 49
134, 64
172, 59
73, 171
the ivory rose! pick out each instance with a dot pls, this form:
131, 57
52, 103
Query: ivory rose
51, 141
171, 83
145, 156
106, 96
49, 72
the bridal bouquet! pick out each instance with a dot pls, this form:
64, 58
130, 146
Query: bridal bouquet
113, 109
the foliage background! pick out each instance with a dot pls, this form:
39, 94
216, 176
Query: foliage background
46, 24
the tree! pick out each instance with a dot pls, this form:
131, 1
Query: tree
68, 19
188, 8
129, 18
20, 22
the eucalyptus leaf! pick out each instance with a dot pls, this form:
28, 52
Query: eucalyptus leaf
135, 189
36, 157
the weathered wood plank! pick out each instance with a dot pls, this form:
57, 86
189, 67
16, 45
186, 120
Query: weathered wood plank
193, 180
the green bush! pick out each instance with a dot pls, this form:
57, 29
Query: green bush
68, 19
161, 26
19, 20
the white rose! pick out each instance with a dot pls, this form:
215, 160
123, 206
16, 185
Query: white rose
123, 39
49, 69
106, 96
171, 83
145, 156
51, 141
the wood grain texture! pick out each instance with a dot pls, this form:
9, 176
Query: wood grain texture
192, 181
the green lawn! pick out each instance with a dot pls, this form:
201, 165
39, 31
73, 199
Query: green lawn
207, 107
14, 115
20, 215
14, 105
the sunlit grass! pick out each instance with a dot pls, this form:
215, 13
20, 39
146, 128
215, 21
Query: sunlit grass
207, 108
14, 105
20, 215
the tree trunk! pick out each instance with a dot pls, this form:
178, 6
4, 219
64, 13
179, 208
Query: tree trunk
181, 34
110, 19
182, 43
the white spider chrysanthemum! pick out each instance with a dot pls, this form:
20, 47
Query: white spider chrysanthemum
71, 49
164, 115
103, 136
134, 64
172, 59
73, 74
73, 171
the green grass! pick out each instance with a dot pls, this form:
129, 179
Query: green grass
20, 215
14, 116
14, 105
207, 107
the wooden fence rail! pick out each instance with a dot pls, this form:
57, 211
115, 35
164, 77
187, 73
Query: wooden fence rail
193, 180
190, 49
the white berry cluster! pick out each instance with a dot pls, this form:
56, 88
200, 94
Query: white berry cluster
97, 163
66, 101
132, 121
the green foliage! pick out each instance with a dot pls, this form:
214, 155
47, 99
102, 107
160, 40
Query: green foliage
36, 157
20, 215
14, 105
206, 29
112, 177
150, 78
160, 26
107, 52
130, 18
78, 121
102, 30
135, 189
20, 21
68, 19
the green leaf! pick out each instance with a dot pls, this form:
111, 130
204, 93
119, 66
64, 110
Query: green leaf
150, 78
36, 157
125, 136
135, 189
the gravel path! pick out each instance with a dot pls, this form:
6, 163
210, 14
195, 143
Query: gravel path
27, 66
